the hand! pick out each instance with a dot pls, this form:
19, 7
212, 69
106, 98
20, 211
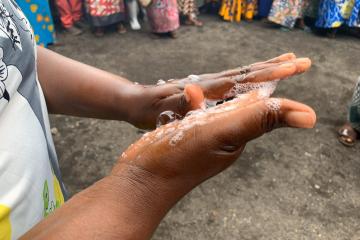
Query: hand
165, 164
182, 154
150, 101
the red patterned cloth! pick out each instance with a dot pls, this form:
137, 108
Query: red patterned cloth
105, 12
163, 16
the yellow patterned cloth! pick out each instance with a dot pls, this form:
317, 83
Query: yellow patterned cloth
39, 15
235, 10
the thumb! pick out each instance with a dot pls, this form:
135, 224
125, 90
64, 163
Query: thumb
191, 98
259, 117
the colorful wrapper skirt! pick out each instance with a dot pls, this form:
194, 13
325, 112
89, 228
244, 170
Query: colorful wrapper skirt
105, 12
187, 7
354, 109
286, 12
234, 10
163, 16
333, 14
39, 15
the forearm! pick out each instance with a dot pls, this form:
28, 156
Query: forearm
73, 88
126, 205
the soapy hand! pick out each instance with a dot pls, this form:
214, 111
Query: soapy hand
183, 153
169, 95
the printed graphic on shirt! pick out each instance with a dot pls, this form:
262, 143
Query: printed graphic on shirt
30, 180
5, 225
51, 205
3, 76
10, 79
8, 28
25, 62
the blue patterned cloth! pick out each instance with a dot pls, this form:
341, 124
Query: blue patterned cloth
264, 7
334, 13
39, 15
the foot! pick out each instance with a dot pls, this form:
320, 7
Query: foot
300, 23
285, 29
81, 24
347, 135
74, 31
135, 25
354, 32
99, 32
121, 29
172, 34
194, 22
331, 33
155, 35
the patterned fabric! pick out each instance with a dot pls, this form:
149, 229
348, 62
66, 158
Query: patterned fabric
264, 7
187, 7
333, 14
286, 12
30, 179
354, 109
70, 11
233, 10
39, 15
105, 12
163, 16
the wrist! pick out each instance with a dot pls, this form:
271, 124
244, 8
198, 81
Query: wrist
145, 197
126, 101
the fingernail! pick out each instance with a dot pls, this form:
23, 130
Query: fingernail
300, 119
303, 64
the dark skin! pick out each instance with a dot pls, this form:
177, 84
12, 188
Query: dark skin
156, 171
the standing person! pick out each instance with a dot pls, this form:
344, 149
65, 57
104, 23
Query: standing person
233, 10
104, 13
288, 12
163, 17
39, 14
333, 14
350, 131
188, 8
70, 15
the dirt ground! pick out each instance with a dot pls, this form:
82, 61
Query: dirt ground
289, 184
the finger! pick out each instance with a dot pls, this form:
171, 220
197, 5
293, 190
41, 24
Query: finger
217, 88
165, 90
282, 58
253, 67
245, 124
269, 74
191, 98
194, 96
302, 65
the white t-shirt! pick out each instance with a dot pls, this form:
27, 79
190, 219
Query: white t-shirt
30, 181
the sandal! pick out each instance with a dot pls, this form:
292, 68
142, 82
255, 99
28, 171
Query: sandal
121, 29
347, 135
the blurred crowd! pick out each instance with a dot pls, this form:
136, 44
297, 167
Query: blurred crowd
164, 16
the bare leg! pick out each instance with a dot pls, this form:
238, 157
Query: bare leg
121, 28
99, 32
